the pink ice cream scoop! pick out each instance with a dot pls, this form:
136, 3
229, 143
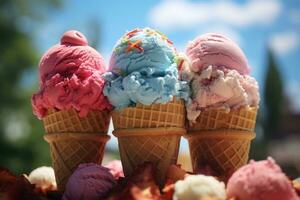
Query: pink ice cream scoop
261, 180
89, 181
71, 77
115, 168
217, 50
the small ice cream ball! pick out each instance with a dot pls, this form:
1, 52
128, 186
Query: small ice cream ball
43, 178
74, 37
89, 182
195, 187
263, 180
115, 168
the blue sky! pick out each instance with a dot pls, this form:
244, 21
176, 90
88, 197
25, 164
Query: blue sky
254, 24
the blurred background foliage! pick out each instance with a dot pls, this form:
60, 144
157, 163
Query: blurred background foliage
22, 147
19, 130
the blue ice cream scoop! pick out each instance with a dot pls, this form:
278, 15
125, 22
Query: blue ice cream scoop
143, 69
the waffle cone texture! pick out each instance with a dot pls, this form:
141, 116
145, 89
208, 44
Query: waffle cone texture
74, 140
220, 140
150, 134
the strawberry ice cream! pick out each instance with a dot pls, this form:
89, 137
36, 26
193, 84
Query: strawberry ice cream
217, 50
70, 77
261, 180
218, 76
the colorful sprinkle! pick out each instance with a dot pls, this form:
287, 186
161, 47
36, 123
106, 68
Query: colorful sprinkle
134, 45
150, 31
164, 37
132, 33
169, 41
180, 65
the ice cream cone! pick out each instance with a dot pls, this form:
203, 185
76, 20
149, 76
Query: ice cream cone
150, 134
74, 140
220, 141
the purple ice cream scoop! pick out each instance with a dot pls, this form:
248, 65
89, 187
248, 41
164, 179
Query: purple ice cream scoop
89, 182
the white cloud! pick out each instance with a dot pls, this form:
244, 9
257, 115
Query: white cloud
180, 14
294, 16
283, 43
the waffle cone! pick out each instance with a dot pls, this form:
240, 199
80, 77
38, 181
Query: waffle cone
74, 140
150, 134
159, 146
68, 150
220, 141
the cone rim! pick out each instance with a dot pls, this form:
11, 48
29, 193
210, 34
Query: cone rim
51, 111
75, 136
143, 106
159, 131
216, 134
226, 110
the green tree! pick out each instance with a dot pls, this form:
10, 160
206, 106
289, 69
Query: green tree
273, 98
20, 132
